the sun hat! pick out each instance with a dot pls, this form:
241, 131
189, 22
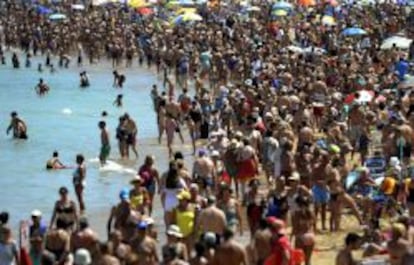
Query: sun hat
36, 213
136, 179
184, 195
82, 257
295, 176
174, 230
215, 153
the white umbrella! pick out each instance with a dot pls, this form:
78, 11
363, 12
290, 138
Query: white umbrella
57, 16
294, 49
253, 9
397, 41
78, 7
314, 50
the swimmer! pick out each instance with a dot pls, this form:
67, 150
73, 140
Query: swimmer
42, 88
18, 125
54, 162
118, 101
39, 68
52, 69
84, 79
106, 147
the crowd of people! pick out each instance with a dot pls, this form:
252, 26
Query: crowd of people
291, 102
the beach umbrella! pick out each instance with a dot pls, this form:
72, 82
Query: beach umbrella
294, 49
349, 32
282, 5
365, 96
145, 11
42, 10
186, 10
253, 9
280, 13
186, 2
333, 3
138, 3
187, 17
57, 16
172, 4
396, 41
314, 50
78, 7
307, 3
328, 20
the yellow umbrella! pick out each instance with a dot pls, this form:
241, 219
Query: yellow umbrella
328, 20
185, 10
280, 13
138, 3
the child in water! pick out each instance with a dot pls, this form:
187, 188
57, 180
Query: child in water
118, 101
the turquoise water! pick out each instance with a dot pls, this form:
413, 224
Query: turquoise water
25, 183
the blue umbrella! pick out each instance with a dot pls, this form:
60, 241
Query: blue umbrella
353, 32
282, 5
57, 16
42, 10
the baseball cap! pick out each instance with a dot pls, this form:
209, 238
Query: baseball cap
174, 230
36, 213
142, 225
124, 194
184, 195
277, 225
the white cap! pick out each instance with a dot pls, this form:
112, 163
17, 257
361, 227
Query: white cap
36, 213
82, 257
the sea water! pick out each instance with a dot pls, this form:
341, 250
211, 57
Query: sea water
66, 120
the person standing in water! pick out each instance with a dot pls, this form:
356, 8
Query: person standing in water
18, 126
105, 147
118, 101
42, 88
132, 131
79, 176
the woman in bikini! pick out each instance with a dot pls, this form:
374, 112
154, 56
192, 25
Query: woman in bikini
65, 210
79, 182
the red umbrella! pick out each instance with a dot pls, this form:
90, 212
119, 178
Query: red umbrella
145, 11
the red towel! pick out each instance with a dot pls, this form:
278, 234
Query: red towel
24, 257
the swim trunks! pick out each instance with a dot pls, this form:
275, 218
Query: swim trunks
105, 151
320, 195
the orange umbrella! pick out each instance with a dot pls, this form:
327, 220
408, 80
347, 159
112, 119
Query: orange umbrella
307, 2
145, 11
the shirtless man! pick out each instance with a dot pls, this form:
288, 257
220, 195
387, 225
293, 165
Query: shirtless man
144, 246
356, 125
106, 257
18, 126
105, 146
320, 188
203, 172
85, 237
230, 252
344, 256
305, 136
211, 219
132, 132
262, 243
54, 162
41, 88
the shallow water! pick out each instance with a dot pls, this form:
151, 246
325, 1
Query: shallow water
66, 120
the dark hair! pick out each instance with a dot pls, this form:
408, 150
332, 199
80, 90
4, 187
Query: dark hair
199, 249
352, 238
55, 154
228, 233
80, 158
4, 218
48, 258
101, 124
104, 247
178, 155
172, 180
63, 190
